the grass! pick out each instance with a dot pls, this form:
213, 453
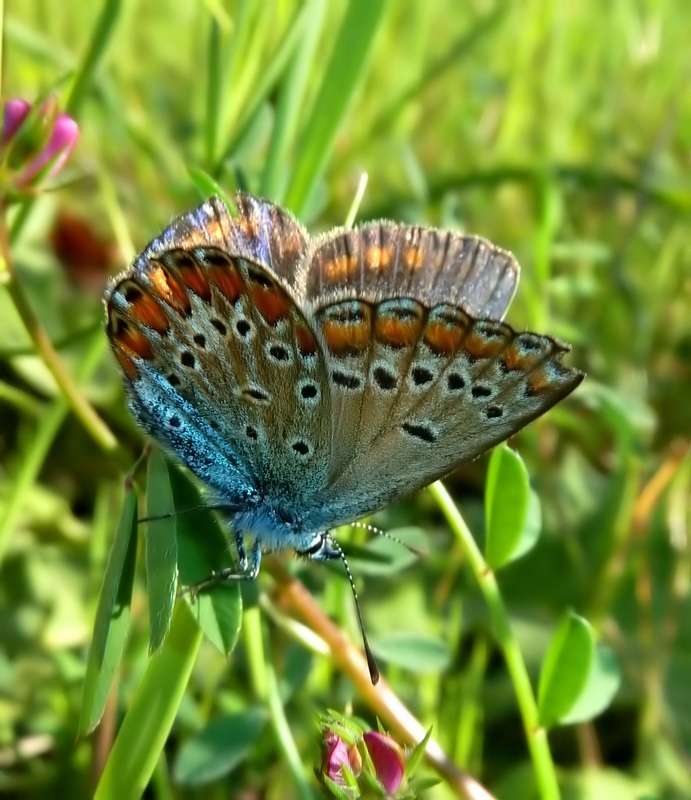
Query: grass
559, 131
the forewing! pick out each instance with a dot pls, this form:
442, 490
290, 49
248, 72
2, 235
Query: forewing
217, 356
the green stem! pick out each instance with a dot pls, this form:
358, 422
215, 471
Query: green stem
99, 40
2, 42
214, 92
20, 400
47, 429
536, 735
614, 568
254, 645
290, 104
152, 711
285, 737
82, 409
81, 82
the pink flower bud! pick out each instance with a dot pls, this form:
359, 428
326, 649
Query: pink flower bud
388, 759
13, 114
335, 755
36, 142
52, 158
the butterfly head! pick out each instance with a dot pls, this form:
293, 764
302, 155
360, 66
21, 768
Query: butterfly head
321, 548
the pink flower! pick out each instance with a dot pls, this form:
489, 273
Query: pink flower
336, 755
36, 141
388, 759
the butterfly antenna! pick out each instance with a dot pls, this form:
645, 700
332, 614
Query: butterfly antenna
369, 655
373, 529
177, 513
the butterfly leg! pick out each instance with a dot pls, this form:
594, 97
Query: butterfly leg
247, 569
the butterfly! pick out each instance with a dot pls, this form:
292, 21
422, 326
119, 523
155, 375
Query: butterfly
308, 382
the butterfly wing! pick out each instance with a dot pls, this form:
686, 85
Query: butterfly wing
382, 260
220, 363
418, 385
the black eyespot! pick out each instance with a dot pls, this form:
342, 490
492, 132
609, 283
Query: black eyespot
490, 330
450, 318
403, 314
529, 341
384, 379
220, 327
348, 312
199, 340
187, 359
173, 380
421, 376
179, 259
346, 380
251, 432
455, 382
243, 327
212, 257
132, 293
494, 411
259, 277
279, 353
421, 432
308, 391
301, 447
481, 391
175, 422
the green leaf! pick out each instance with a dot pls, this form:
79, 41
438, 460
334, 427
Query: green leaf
151, 712
202, 550
512, 511
112, 617
578, 679
342, 78
218, 748
416, 754
415, 652
207, 186
290, 102
603, 683
262, 91
160, 537
335, 790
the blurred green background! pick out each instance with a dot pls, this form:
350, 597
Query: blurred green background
561, 131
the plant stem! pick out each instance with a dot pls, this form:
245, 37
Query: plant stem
82, 409
536, 735
152, 711
285, 737
381, 699
99, 41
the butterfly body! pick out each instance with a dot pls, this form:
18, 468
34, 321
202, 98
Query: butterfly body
309, 382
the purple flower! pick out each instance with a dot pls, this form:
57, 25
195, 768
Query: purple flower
388, 759
36, 141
